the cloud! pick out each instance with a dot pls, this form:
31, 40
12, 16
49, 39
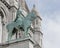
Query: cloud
51, 31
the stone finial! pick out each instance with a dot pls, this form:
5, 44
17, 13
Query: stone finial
34, 6
36, 12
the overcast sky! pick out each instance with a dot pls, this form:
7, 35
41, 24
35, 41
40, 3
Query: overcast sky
50, 12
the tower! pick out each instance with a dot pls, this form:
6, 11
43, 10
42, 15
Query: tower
36, 25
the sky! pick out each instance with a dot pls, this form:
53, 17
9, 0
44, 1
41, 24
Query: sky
49, 11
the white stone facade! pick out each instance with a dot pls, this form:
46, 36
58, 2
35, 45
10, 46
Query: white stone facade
8, 9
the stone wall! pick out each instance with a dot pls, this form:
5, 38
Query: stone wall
9, 9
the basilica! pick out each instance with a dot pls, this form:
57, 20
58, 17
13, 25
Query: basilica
8, 9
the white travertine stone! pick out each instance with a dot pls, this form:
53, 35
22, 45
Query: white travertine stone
10, 15
0, 30
24, 43
5, 12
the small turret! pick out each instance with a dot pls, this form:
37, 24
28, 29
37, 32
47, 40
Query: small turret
37, 22
34, 10
37, 35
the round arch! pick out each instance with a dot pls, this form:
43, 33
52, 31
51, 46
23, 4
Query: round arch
4, 10
5, 14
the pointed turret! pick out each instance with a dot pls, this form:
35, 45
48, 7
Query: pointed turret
38, 35
36, 12
37, 22
23, 5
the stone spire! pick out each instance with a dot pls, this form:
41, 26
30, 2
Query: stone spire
38, 35
37, 20
23, 5
35, 10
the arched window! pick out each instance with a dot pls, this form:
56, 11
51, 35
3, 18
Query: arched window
1, 18
37, 21
2, 24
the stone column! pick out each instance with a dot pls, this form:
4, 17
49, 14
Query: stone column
0, 30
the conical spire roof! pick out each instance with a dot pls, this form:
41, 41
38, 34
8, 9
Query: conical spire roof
23, 5
35, 10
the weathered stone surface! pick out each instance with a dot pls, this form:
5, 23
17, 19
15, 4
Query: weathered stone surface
9, 9
20, 43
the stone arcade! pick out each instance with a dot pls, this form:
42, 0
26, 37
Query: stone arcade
8, 9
